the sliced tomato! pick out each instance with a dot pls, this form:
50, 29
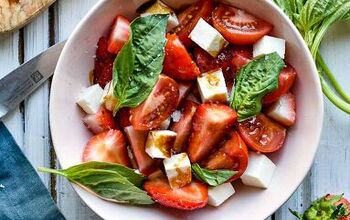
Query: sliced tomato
189, 17
178, 63
103, 67
211, 122
137, 141
119, 34
285, 82
158, 106
183, 126
238, 26
190, 197
233, 155
261, 134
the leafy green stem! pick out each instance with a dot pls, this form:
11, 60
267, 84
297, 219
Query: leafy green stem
324, 68
53, 171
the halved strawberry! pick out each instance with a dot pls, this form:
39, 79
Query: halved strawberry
211, 122
241, 56
184, 89
137, 140
101, 121
283, 111
123, 117
184, 126
103, 63
190, 197
119, 34
109, 146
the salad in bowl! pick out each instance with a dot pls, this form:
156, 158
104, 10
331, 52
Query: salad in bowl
183, 105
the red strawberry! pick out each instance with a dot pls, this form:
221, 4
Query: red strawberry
211, 122
241, 56
190, 197
103, 63
183, 126
137, 140
123, 117
109, 146
283, 111
184, 89
100, 122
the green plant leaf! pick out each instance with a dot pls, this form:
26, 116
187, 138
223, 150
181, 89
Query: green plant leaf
112, 182
254, 81
140, 61
212, 177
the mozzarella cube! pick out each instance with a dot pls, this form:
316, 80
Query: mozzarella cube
89, 99
108, 99
159, 143
208, 38
176, 116
165, 124
259, 171
269, 44
219, 194
212, 87
160, 8
178, 170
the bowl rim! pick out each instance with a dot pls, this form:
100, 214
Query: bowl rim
314, 74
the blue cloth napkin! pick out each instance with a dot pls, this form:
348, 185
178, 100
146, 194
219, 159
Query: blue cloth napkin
22, 194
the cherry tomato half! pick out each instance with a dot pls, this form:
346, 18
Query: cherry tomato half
238, 26
261, 134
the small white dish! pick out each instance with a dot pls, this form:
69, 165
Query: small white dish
293, 161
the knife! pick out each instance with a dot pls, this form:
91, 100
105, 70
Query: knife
21, 82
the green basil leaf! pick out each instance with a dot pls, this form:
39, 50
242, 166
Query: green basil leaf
140, 61
254, 81
212, 177
112, 182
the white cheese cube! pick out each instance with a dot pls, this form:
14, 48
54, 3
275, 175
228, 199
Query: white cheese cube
269, 44
176, 115
212, 87
178, 170
259, 171
108, 99
165, 124
159, 143
89, 99
208, 38
219, 194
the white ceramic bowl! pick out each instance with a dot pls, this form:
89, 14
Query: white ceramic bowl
293, 160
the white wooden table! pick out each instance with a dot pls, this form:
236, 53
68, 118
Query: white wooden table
29, 123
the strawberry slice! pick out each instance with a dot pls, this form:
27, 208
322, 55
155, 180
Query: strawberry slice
109, 146
283, 111
119, 35
100, 122
211, 122
241, 56
123, 117
183, 126
103, 64
190, 197
184, 90
137, 140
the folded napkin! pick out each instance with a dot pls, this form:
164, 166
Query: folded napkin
22, 194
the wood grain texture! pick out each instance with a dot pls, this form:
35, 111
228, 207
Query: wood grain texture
69, 13
16, 13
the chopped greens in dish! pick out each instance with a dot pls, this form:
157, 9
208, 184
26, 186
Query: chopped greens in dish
183, 103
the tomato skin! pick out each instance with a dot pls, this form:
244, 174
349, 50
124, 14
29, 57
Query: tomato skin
238, 26
189, 17
233, 155
178, 63
159, 105
119, 34
261, 134
285, 82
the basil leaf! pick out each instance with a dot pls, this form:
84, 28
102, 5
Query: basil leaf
254, 81
139, 63
112, 182
212, 177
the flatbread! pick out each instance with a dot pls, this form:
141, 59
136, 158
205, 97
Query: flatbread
16, 13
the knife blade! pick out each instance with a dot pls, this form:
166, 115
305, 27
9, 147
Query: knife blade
21, 82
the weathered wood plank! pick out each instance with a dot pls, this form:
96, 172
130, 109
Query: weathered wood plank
69, 13
9, 45
329, 173
36, 128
